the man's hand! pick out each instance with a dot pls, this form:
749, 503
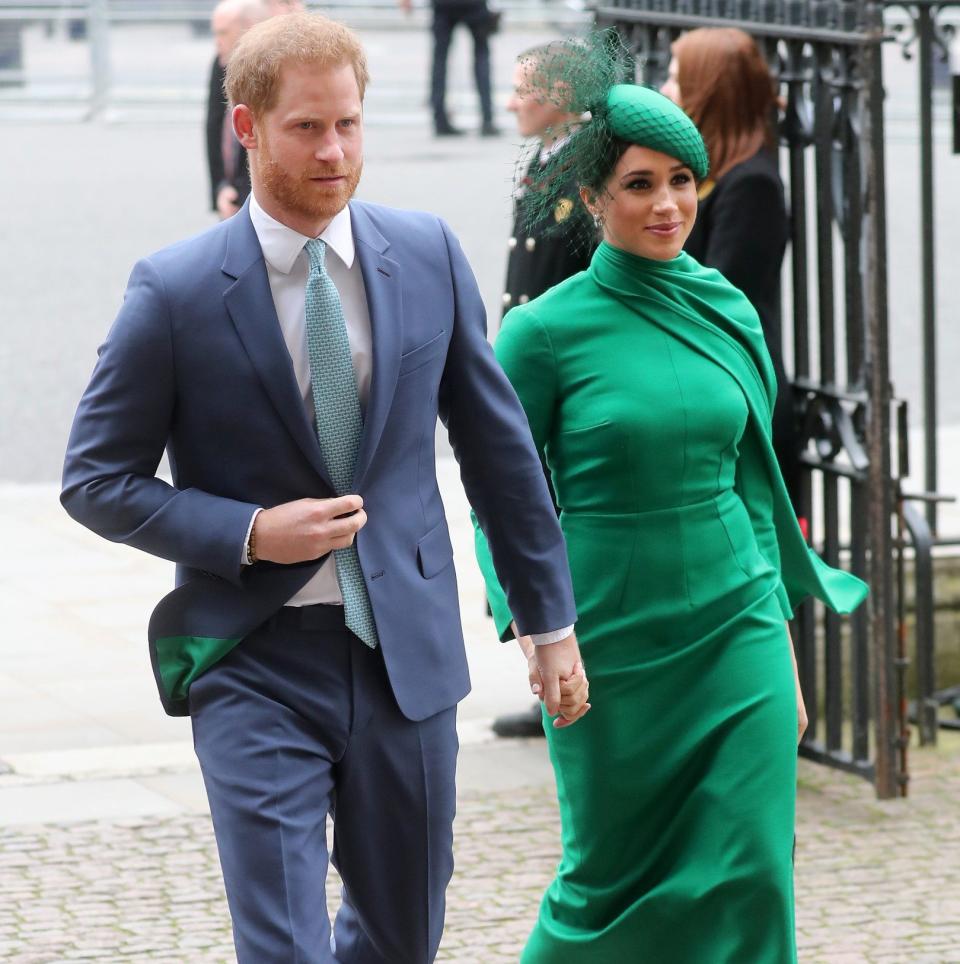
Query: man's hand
227, 198
308, 528
557, 677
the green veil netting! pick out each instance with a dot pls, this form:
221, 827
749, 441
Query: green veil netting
590, 76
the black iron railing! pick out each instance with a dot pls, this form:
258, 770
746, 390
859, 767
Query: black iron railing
924, 35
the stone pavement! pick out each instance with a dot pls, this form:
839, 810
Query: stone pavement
106, 850
876, 883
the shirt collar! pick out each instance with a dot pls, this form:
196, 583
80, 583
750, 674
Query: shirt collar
547, 152
282, 245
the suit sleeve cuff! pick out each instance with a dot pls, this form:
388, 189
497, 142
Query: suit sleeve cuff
545, 639
245, 554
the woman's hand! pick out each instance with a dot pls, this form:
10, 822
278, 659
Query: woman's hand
801, 706
574, 693
801, 716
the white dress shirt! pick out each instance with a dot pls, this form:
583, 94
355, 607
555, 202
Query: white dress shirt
287, 269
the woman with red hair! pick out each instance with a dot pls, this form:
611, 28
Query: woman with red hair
720, 78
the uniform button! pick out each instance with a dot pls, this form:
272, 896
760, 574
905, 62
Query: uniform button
511, 243
530, 244
523, 299
507, 298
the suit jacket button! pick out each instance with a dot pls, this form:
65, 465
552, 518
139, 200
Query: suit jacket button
523, 299
507, 297
511, 243
530, 244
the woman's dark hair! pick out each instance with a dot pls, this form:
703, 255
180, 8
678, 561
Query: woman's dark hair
608, 156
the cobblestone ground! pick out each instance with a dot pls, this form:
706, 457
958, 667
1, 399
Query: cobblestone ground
876, 882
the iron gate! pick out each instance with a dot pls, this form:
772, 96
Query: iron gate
827, 56
924, 35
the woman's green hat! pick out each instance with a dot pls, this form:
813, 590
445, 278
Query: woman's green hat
589, 75
646, 117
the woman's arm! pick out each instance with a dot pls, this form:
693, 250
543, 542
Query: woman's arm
753, 487
801, 706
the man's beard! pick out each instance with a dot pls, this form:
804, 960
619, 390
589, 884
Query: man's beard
298, 194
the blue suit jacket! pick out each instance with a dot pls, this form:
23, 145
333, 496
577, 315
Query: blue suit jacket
196, 362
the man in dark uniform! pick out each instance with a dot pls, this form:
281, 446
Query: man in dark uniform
559, 243
545, 250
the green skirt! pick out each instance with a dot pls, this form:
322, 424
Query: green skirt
677, 789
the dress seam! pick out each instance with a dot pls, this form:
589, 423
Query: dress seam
683, 472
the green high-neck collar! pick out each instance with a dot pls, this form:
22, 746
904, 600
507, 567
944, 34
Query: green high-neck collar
622, 269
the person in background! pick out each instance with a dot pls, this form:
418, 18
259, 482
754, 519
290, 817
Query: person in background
548, 247
720, 78
649, 391
481, 22
543, 251
226, 158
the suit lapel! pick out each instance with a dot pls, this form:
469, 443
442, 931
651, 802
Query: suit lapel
382, 282
249, 303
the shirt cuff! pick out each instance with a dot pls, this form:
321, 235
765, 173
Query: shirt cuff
245, 553
545, 639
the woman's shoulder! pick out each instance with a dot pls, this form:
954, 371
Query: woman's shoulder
558, 303
545, 319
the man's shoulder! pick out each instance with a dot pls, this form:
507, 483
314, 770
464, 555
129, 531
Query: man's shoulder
194, 253
397, 224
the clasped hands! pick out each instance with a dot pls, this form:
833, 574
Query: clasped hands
557, 677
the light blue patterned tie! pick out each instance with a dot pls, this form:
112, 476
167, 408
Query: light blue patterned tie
338, 421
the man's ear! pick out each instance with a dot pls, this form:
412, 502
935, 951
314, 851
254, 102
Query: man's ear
244, 127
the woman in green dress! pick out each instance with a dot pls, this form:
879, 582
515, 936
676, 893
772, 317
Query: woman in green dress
649, 393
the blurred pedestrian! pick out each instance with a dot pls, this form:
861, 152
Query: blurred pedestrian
482, 22
226, 158
722, 81
294, 360
546, 246
649, 391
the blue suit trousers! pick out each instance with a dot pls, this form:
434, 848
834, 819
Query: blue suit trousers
299, 721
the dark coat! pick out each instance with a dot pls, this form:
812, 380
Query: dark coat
742, 230
216, 108
546, 252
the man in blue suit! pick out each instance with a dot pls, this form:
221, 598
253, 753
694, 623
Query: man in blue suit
293, 362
